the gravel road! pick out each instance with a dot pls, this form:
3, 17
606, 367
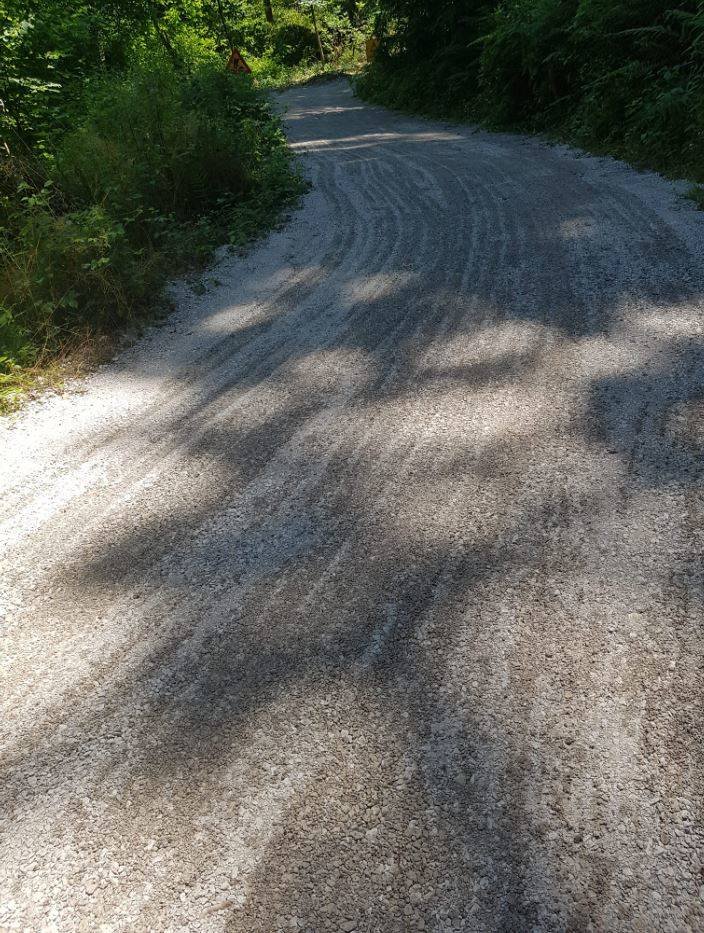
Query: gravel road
365, 594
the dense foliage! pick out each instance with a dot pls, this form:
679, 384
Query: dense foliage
625, 76
127, 151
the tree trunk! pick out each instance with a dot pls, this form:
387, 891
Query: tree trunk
317, 34
4, 145
225, 27
164, 39
268, 11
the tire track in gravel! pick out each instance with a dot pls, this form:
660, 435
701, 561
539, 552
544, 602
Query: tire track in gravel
224, 354
114, 564
366, 594
267, 361
173, 450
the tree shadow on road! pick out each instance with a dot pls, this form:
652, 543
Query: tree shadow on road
388, 482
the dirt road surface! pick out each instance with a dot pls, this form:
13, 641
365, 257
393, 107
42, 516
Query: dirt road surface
366, 593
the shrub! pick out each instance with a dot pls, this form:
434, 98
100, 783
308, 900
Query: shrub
150, 142
71, 267
526, 67
161, 168
294, 43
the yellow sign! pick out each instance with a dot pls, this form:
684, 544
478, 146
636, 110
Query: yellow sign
237, 64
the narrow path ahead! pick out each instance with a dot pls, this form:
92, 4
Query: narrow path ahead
366, 594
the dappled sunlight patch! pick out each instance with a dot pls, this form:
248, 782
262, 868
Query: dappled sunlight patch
492, 338
303, 113
234, 316
367, 140
601, 355
425, 516
578, 228
378, 286
679, 320
331, 369
685, 423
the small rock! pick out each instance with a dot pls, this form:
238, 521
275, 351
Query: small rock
221, 905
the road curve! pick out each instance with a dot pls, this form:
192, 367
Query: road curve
365, 594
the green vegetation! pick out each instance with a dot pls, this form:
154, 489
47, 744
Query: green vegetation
290, 52
127, 152
618, 76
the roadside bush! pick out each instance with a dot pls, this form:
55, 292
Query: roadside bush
292, 46
294, 43
71, 267
161, 168
152, 143
526, 70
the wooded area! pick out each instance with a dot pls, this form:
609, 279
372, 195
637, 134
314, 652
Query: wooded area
622, 77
